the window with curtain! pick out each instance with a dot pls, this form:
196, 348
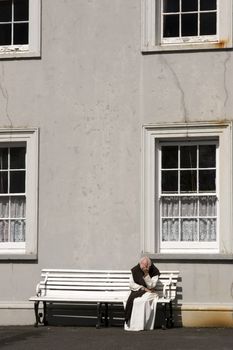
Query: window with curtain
188, 193
18, 193
187, 190
12, 194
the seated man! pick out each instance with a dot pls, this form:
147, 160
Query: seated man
141, 305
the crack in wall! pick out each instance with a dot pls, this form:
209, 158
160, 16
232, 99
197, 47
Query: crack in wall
178, 84
5, 95
228, 57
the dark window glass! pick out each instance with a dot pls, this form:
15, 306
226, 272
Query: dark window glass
206, 5
17, 181
188, 181
207, 156
169, 157
171, 5
5, 34
21, 10
171, 26
3, 158
17, 158
208, 23
189, 5
189, 26
21, 33
170, 181
188, 156
3, 182
5, 11
207, 180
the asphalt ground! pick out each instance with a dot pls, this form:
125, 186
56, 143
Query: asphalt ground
112, 338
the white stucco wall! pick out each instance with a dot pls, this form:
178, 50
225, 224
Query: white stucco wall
89, 95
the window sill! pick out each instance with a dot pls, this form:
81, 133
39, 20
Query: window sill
191, 257
19, 54
187, 47
20, 257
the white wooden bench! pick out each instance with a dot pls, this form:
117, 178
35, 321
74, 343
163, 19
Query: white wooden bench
101, 287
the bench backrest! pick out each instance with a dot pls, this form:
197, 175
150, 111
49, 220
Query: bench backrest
71, 282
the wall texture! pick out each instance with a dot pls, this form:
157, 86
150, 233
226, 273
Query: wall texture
89, 94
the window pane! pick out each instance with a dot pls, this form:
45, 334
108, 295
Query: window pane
17, 182
4, 207
207, 156
171, 5
207, 180
170, 181
17, 158
170, 206
21, 10
6, 11
170, 26
208, 5
208, 23
3, 158
189, 25
18, 207
17, 231
21, 33
5, 34
4, 231
189, 230
188, 156
208, 206
207, 230
189, 206
169, 157
188, 181
170, 230
3, 182
189, 5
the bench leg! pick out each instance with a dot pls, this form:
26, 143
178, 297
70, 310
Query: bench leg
164, 324
36, 308
170, 321
99, 315
44, 321
40, 316
106, 315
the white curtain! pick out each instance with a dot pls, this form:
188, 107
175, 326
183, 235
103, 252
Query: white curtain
181, 215
4, 231
18, 231
170, 230
12, 219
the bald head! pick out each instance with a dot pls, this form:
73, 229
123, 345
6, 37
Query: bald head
145, 264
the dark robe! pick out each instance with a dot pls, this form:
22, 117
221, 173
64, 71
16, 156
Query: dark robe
138, 274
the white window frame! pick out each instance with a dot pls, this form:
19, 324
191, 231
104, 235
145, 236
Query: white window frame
152, 30
152, 136
166, 246
27, 249
33, 47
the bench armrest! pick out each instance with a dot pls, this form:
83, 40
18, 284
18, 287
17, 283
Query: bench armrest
166, 287
38, 290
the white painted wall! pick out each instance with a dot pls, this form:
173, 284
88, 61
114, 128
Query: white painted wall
90, 94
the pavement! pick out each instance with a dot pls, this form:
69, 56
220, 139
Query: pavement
113, 338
